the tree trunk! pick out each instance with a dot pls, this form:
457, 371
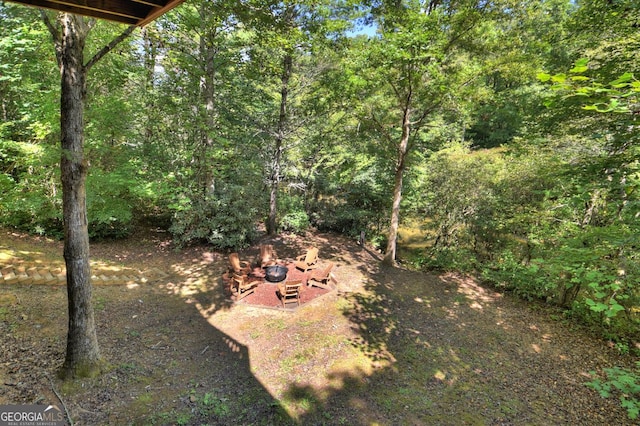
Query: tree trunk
272, 223
208, 52
83, 353
390, 254
150, 53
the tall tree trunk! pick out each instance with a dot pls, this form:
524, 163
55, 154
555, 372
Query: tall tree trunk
272, 223
208, 53
83, 353
150, 54
390, 254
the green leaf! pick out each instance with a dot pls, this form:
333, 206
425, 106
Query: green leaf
580, 78
579, 69
624, 78
582, 62
619, 85
614, 309
543, 77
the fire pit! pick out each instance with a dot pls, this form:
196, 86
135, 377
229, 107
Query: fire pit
276, 273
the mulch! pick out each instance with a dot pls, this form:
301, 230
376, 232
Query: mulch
266, 294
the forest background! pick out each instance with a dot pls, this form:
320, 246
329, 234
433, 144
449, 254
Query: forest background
505, 132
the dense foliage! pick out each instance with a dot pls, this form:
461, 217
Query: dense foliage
508, 130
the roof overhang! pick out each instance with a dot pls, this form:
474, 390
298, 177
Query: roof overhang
131, 12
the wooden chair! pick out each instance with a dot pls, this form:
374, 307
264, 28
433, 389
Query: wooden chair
320, 277
307, 261
290, 292
267, 256
243, 285
237, 266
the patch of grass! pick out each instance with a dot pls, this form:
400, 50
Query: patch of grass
413, 353
133, 333
344, 305
172, 417
460, 299
145, 398
277, 324
299, 402
307, 323
71, 387
298, 358
128, 367
212, 404
286, 365
99, 303
508, 408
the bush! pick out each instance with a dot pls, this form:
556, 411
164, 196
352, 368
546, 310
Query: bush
341, 219
447, 259
527, 281
226, 220
109, 204
623, 382
31, 193
297, 221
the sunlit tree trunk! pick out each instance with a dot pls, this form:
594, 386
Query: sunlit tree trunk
403, 149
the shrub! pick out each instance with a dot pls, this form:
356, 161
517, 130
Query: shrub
109, 204
296, 221
225, 220
623, 382
31, 193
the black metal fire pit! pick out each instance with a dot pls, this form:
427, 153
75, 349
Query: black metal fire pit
276, 273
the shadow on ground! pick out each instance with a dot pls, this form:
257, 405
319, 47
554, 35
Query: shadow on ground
439, 349
447, 351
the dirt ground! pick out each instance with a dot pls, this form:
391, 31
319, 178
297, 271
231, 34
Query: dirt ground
387, 347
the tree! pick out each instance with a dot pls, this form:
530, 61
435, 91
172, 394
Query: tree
83, 353
199, 149
418, 65
287, 36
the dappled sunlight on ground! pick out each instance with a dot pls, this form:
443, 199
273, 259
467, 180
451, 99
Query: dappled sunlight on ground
389, 346
469, 287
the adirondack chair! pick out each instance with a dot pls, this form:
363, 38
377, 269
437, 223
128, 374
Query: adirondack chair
243, 285
267, 256
289, 292
307, 261
237, 266
321, 277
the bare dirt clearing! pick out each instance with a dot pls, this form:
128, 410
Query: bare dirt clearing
389, 347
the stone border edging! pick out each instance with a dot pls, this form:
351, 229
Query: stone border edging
58, 276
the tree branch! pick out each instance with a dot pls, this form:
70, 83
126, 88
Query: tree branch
108, 48
55, 34
381, 127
